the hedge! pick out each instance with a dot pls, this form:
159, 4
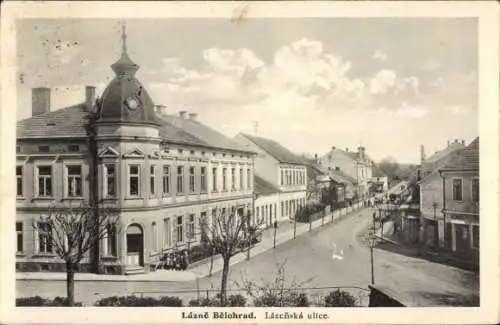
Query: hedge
133, 301
333, 299
38, 301
303, 214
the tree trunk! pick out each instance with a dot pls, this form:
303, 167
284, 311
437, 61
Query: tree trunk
211, 263
70, 283
223, 284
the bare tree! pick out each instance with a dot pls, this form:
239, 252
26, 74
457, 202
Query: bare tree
73, 232
227, 234
278, 292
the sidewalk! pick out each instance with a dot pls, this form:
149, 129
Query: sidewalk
393, 244
284, 233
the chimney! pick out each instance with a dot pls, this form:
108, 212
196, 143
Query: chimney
89, 97
193, 116
333, 147
463, 142
161, 109
346, 149
315, 158
448, 144
182, 114
40, 101
337, 168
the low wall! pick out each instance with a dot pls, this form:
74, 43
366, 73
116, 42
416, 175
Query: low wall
383, 297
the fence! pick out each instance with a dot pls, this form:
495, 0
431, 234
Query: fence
316, 295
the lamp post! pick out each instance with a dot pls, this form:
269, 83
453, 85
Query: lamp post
372, 244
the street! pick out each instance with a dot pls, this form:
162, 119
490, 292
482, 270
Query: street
328, 257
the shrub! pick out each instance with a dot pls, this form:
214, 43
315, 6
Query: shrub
340, 299
171, 301
236, 301
133, 301
302, 215
38, 301
301, 300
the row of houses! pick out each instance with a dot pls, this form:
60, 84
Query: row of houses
162, 172
442, 206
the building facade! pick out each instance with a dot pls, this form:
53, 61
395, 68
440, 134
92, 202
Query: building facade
161, 172
357, 164
282, 169
460, 180
431, 193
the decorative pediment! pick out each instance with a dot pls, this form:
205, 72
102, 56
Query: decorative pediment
136, 153
109, 152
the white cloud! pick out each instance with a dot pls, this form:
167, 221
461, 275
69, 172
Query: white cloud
457, 109
411, 111
382, 82
379, 55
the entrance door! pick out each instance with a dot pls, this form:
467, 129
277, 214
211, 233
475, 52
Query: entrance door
462, 238
135, 245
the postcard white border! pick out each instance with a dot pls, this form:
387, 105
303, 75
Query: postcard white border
487, 12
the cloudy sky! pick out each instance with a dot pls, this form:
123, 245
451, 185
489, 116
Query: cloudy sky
387, 83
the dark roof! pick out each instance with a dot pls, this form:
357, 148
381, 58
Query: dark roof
66, 122
465, 159
276, 150
188, 131
261, 186
376, 172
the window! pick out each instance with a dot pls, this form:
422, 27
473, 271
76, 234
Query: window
203, 179
249, 179
293, 177
457, 189
152, 180
282, 209
282, 177
475, 190
44, 180
191, 179
204, 230
224, 179
111, 239
154, 238
43, 148
110, 177
18, 149
166, 179
241, 179
257, 212
73, 148
133, 180
190, 227
74, 181
167, 233
180, 179
19, 180
214, 179
233, 180
475, 236
179, 230
19, 236
44, 237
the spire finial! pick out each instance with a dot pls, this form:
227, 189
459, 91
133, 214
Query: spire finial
124, 37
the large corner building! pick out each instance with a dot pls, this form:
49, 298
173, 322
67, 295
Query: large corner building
162, 172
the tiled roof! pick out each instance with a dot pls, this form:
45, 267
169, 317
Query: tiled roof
466, 159
180, 130
429, 169
261, 186
276, 150
66, 122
